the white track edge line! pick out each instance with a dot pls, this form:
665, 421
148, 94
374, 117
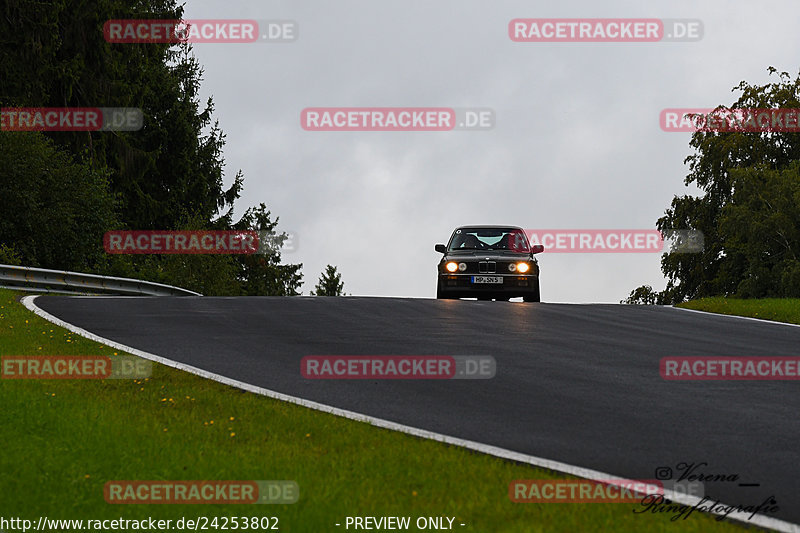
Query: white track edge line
577, 471
739, 317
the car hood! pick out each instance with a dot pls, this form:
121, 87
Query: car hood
491, 255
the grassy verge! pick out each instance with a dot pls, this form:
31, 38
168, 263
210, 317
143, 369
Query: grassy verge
777, 309
63, 439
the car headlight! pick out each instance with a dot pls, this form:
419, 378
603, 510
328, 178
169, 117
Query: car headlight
523, 267
512, 267
451, 266
462, 267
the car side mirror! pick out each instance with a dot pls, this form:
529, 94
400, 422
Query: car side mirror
441, 248
537, 248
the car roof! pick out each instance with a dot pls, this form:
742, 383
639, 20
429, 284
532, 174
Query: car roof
488, 226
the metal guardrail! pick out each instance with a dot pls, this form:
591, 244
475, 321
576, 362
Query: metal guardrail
61, 281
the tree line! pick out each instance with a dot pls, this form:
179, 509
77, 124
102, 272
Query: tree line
749, 209
61, 191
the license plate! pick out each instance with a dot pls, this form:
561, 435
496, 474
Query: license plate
487, 279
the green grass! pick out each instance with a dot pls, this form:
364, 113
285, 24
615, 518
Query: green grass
777, 309
62, 440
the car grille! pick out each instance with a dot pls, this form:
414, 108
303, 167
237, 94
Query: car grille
487, 267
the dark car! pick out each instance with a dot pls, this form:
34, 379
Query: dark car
488, 262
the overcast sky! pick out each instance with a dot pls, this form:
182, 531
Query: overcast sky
576, 145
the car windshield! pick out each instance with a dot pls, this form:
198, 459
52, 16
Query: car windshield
512, 239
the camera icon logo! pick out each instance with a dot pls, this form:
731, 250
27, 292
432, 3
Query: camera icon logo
663, 472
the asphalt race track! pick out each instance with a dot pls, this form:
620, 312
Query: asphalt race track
578, 384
